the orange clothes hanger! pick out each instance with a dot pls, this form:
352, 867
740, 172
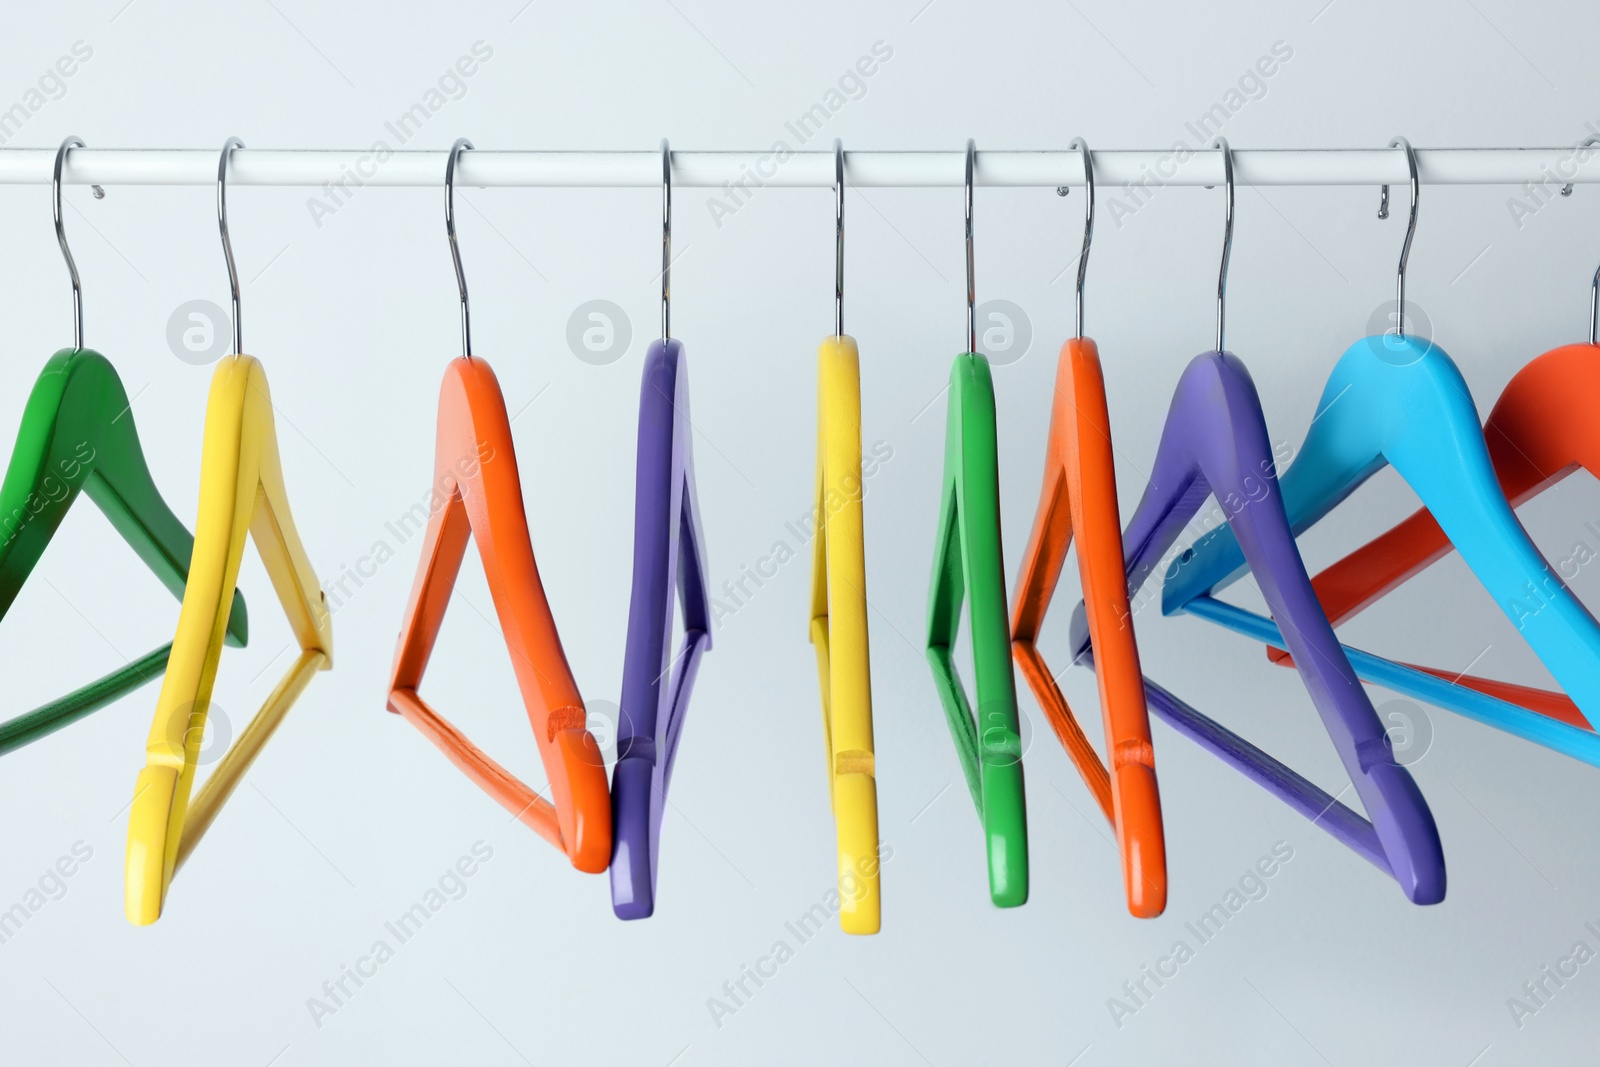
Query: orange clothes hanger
1080, 494
475, 472
1540, 431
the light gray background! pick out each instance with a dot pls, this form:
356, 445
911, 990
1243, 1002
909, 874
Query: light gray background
350, 816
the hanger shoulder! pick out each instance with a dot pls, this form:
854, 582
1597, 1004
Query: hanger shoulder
661, 476
840, 632
478, 494
78, 434
841, 537
492, 495
1343, 447
484, 456
1046, 555
36, 493
241, 493
656, 685
1080, 493
1537, 434
947, 591
1215, 382
1040, 571
968, 561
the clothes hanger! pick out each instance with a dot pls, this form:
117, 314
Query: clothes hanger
669, 568
1538, 433
78, 435
839, 606
241, 491
967, 560
1080, 495
1215, 443
1400, 400
475, 467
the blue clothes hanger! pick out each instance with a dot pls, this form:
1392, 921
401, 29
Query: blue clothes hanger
1400, 400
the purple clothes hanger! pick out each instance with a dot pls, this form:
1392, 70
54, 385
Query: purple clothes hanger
1215, 442
668, 566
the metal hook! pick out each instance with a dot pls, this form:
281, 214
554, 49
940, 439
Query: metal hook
455, 249
227, 245
61, 238
1587, 142
1227, 236
1594, 309
838, 237
1411, 231
666, 240
972, 314
1088, 221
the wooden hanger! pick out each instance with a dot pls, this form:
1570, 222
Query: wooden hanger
967, 560
78, 435
241, 491
475, 468
1080, 494
1401, 400
1215, 443
839, 608
668, 567
1540, 431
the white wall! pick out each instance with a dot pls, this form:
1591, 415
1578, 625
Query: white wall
350, 816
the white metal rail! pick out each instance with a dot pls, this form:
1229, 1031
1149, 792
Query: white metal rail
1546, 167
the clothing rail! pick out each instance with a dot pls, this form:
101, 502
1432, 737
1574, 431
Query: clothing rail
1549, 167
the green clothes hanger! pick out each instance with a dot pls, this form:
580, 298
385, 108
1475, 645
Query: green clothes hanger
77, 435
967, 559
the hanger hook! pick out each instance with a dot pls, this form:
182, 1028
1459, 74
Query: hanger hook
61, 238
1088, 222
838, 237
1227, 236
972, 314
1587, 142
227, 244
666, 240
1411, 231
1594, 309
450, 231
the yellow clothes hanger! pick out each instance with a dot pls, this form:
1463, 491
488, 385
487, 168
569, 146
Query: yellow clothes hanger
839, 609
241, 491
